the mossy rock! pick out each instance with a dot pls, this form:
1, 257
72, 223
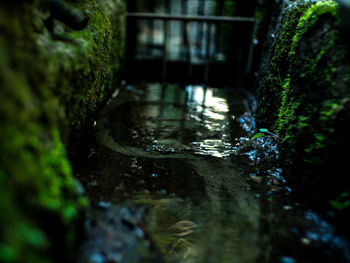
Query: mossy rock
278, 65
78, 65
305, 98
116, 12
51, 83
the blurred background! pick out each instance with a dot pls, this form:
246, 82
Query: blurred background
190, 41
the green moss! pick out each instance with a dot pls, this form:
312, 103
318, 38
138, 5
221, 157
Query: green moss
36, 178
312, 15
47, 84
83, 61
276, 73
304, 93
307, 69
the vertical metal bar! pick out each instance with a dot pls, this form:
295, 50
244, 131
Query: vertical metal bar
188, 49
183, 7
150, 28
185, 37
183, 12
207, 53
131, 38
167, 10
200, 26
220, 12
165, 51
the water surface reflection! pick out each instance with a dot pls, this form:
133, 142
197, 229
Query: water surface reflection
208, 193
173, 118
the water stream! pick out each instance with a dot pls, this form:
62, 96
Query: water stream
173, 176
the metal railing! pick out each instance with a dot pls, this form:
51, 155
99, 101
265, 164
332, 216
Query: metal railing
185, 19
190, 18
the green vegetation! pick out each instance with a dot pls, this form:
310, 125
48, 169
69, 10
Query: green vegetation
305, 97
85, 58
50, 82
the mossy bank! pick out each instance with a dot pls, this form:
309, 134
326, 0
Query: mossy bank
52, 79
304, 98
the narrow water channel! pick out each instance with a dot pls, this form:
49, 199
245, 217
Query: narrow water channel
173, 176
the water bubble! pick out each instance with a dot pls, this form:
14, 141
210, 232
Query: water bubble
104, 204
287, 207
97, 257
288, 189
287, 260
305, 241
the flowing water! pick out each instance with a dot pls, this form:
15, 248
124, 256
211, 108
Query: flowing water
173, 176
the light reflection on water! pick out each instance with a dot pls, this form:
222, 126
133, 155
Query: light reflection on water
205, 105
194, 116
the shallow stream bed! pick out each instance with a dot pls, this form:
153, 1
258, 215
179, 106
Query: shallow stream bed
172, 176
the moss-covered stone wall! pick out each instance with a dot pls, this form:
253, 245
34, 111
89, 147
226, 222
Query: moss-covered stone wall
51, 81
116, 10
304, 98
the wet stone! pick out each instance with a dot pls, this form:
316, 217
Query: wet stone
114, 233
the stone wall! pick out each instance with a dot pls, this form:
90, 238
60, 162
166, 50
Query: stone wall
304, 98
53, 76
